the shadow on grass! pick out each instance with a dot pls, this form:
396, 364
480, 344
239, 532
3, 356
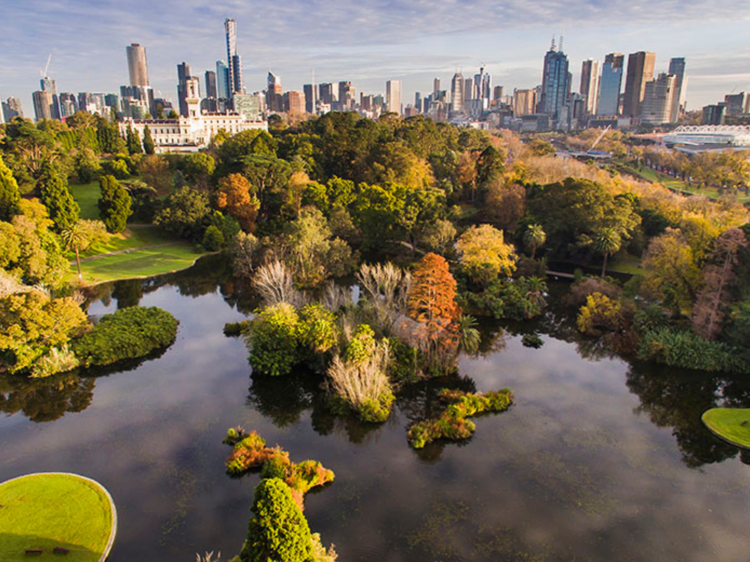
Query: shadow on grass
13, 548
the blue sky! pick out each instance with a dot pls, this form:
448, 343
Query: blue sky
366, 42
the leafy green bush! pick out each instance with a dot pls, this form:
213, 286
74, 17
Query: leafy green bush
128, 333
532, 340
273, 340
512, 299
213, 239
680, 348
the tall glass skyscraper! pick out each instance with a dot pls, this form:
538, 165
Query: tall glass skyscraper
222, 80
610, 85
677, 68
555, 82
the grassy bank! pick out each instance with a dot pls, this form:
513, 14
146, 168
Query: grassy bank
87, 196
44, 511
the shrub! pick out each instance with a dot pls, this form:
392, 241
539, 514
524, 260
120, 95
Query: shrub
452, 424
317, 328
273, 340
128, 333
532, 340
213, 239
512, 299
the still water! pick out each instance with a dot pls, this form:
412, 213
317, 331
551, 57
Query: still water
599, 459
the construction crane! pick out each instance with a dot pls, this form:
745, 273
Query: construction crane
600, 137
46, 66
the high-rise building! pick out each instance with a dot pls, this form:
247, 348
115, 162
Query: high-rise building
210, 82
42, 104
677, 69
457, 94
68, 104
137, 65
250, 107
393, 96
714, 114
238, 83
12, 108
590, 85
497, 93
294, 102
418, 103
326, 93
185, 79
222, 80
656, 107
469, 93
230, 28
49, 85
640, 70
2, 113
610, 85
482, 89
435, 86
524, 102
274, 93
555, 82
737, 104
347, 96
310, 98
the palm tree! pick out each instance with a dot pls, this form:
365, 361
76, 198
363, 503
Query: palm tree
75, 238
469, 336
607, 241
535, 289
534, 238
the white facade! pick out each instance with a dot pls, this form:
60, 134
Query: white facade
186, 134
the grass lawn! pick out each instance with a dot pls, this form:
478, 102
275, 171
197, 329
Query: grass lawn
45, 511
673, 183
727, 423
132, 237
87, 196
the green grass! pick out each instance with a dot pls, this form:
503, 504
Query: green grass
87, 196
47, 510
673, 183
727, 423
140, 263
133, 237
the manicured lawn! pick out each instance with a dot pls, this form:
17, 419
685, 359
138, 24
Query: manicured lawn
727, 423
87, 196
139, 263
673, 183
132, 237
45, 511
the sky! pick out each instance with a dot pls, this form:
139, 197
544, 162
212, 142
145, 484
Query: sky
366, 42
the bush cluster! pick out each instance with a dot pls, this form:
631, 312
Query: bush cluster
128, 333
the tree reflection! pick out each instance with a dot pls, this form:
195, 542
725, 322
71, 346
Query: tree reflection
48, 399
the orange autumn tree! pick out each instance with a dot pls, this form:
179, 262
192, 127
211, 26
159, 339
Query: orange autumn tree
235, 196
432, 304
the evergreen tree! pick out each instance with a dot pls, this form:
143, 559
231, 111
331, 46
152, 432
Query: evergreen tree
134, 142
148, 141
279, 531
9, 195
62, 208
114, 204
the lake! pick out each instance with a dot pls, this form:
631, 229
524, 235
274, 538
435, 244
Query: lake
598, 459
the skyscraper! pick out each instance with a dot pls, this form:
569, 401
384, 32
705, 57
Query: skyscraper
393, 96
524, 102
457, 94
610, 85
435, 87
294, 102
310, 97
677, 69
235, 82
222, 80
326, 93
658, 96
210, 82
274, 93
12, 108
640, 70
137, 65
183, 76
555, 82
590, 85
42, 104
347, 96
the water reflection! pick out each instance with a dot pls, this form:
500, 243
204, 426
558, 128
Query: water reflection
45, 400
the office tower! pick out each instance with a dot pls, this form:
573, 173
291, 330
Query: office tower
640, 71
251, 107
12, 108
677, 69
347, 94
183, 73
524, 102
50, 86
68, 104
222, 80
497, 93
590, 84
482, 89
435, 86
230, 27
294, 102
610, 85
309, 91
658, 95
210, 82
326, 93
2, 114
113, 100
274, 93
238, 84
714, 114
42, 105
457, 94
393, 96
418, 103
737, 104
137, 65
555, 82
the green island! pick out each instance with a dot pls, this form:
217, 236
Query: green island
45, 512
731, 424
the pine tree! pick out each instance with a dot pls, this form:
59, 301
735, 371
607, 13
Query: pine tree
62, 208
279, 530
9, 195
133, 141
148, 141
114, 204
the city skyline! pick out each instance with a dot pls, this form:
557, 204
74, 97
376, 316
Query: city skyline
510, 54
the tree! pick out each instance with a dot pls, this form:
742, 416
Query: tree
148, 141
607, 241
114, 204
279, 531
9, 194
82, 235
714, 298
198, 168
505, 204
172, 114
62, 208
133, 142
484, 255
86, 165
534, 238
213, 239
186, 213
432, 304
236, 196
156, 173
670, 270
490, 165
